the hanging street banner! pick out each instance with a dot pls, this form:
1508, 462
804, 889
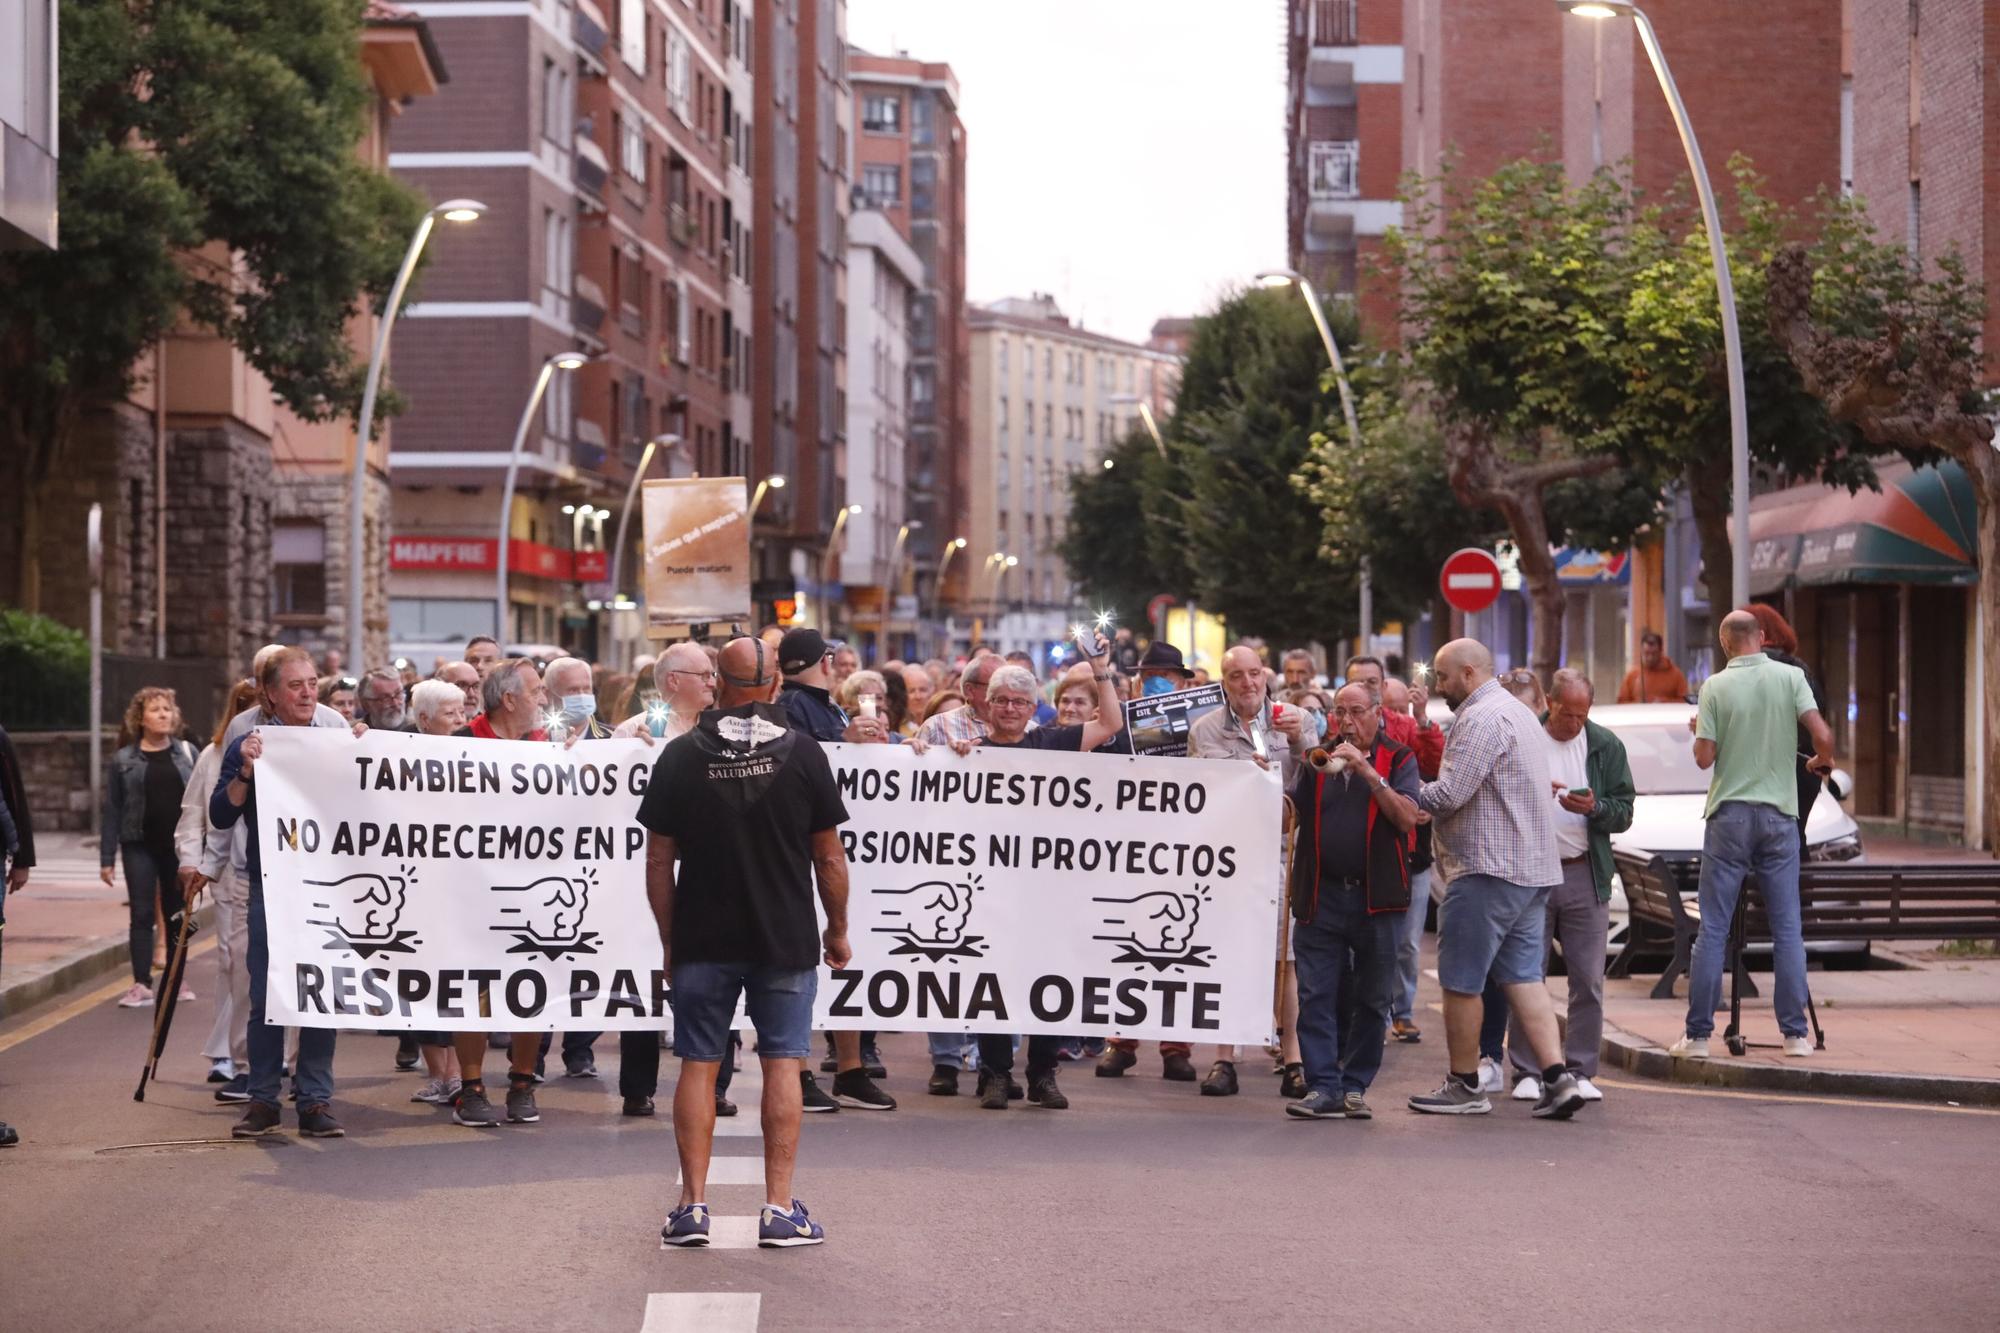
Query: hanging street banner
697, 551
416, 882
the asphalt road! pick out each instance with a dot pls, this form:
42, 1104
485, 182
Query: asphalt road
1143, 1206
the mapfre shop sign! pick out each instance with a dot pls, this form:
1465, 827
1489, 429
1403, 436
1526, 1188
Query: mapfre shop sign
441, 553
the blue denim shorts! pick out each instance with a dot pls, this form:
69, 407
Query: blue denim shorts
779, 1001
1487, 926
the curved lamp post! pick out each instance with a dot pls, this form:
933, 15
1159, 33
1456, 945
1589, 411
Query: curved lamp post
1725, 290
951, 548
560, 361
669, 441
774, 482
1285, 277
451, 210
1145, 415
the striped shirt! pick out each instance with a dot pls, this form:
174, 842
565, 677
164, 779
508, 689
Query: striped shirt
956, 724
1494, 808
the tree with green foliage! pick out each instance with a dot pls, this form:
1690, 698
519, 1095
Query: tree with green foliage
1103, 539
208, 171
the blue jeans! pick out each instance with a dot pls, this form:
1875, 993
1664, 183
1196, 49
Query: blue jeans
1410, 948
1346, 963
951, 1048
313, 1075
1745, 838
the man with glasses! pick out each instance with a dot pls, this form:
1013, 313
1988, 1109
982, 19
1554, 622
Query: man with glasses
970, 721
1011, 695
380, 701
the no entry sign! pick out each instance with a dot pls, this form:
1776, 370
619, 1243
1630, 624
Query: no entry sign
1470, 579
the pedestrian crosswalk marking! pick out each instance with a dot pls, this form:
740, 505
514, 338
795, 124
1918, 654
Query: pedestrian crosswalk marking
738, 1128
732, 1171
724, 1233
710, 1311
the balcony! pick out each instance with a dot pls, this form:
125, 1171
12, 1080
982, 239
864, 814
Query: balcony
1334, 23
1334, 169
587, 307
591, 38
592, 172
680, 224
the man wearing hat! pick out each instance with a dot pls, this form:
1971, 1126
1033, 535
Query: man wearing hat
1162, 669
805, 659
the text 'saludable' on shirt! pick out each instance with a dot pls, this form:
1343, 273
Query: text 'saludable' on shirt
742, 795
1492, 802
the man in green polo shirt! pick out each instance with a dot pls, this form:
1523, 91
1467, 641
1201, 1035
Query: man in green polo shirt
1746, 729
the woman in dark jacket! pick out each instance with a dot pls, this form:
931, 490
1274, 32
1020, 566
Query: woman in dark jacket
142, 803
1781, 644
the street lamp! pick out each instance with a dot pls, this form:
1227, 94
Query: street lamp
774, 482
951, 548
451, 210
833, 540
1725, 290
564, 361
668, 441
1145, 415
1285, 277
896, 552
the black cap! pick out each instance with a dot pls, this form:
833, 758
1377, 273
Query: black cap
799, 649
1161, 656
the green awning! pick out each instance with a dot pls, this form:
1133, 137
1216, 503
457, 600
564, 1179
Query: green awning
1921, 527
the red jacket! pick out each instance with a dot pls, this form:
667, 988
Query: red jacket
1426, 743
479, 726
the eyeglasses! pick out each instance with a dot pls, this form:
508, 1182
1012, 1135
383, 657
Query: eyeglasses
1010, 703
1354, 712
698, 675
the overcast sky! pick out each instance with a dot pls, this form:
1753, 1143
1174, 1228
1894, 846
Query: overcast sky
1126, 155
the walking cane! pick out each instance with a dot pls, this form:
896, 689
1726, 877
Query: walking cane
163, 1010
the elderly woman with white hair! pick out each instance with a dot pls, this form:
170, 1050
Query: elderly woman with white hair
438, 709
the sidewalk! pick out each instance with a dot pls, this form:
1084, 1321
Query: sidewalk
65, 929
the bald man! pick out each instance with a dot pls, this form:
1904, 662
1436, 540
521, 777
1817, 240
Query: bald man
685, 681
1746, 730
1495, 841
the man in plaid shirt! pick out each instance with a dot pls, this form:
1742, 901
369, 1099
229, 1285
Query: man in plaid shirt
1494, 808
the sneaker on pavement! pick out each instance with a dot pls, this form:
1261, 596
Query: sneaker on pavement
1690, 1048
871, 1063
686, 1225
473, 1109
1221, 1080
854, 1088
262, 1118
187, 995
1798, 1046
638, 1106
1527, 1088
724, 1108
829, 1065
1317, 1105
1560, 1099
236, 1089
944, 1081
521, 1108
1588, 1090
1356, 1107
778, 1229
407, 1054
1177, 1069
9, 1136
138, 997
1404, 1030
584, 1068
1293, 1084
993, 1090
435, 1092
814, 1098
1114, 1062
1453, 1098
221, 1071
1492, 1076
317, 1122
1044, 1093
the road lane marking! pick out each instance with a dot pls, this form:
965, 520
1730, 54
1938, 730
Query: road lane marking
731, 1171
724, 1233
82, 1004
1866, 1103
738, 1127
710, 1311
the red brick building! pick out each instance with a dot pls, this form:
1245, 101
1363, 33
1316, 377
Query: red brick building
1345, 73
909, 153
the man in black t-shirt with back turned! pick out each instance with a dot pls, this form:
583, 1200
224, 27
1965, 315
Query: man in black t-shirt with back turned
749, 808
1011, 695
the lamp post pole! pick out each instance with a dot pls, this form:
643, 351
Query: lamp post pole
670, 441
560, 361
454, 210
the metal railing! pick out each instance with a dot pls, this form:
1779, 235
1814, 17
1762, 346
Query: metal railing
1335, 23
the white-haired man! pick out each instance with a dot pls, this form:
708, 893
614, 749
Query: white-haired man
685, 679
466, 677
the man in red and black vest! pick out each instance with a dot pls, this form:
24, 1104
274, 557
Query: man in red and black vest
1350, 889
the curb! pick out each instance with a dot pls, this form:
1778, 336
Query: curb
74, 970
1635, 1055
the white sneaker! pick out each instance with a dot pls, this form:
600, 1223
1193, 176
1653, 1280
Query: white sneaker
437, 1091
1529, 1089
1588, 1090
1492, 1078
1690, 1048
1799, 1046
136, 998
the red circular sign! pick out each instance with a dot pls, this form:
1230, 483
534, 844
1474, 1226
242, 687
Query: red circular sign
1470, 579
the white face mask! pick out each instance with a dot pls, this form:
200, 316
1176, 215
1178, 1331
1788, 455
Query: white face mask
579, 705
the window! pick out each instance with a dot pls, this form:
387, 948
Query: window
881, 186
1003, 355
555, 251
1049, 363
1003, 414
298, 583
632, 148
923, 183
632, 22
682, 311
921, 113
1048, 421
1028, 418
558, 406
555, 102
677, 75
439, 619
882, 113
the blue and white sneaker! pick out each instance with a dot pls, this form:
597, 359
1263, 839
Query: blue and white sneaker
686, 1225
778, 1229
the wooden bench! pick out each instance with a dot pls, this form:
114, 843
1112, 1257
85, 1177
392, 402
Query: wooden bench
1658, 915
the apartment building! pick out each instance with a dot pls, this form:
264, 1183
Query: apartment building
28, 125
1344, 115
1048, 398
910, 155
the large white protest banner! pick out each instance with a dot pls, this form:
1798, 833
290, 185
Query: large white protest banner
416, 882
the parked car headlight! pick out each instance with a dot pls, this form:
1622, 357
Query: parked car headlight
1836, 849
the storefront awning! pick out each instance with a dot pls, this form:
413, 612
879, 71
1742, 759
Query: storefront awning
1921, 527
